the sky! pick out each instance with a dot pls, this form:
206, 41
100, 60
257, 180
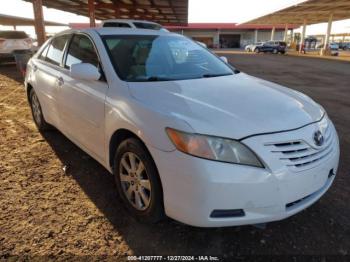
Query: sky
200, 11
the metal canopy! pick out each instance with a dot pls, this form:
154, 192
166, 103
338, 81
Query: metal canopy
9, 20
311, 11
161, 11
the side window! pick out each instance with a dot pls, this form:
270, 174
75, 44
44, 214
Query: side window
55, 51
43, 53
147, 26
81, 50
116, 24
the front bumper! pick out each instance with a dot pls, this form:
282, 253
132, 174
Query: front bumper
193, 187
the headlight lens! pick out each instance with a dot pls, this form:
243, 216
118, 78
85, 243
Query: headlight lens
213, 148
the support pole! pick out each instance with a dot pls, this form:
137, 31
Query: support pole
117, 12
285, 33
91, 6
14, 27
273, 33
217, 39
39, 21
301, 44
328, 34
255, 36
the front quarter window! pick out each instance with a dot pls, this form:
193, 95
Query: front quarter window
81, 50
162, 57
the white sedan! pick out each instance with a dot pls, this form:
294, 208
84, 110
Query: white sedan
13, 41
184, 134
251, 47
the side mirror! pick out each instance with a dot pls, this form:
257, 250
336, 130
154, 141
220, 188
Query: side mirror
224, 58
85, 71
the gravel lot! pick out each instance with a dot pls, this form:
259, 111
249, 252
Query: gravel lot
56, 200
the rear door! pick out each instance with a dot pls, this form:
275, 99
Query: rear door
268, 46
47, 68
82, 102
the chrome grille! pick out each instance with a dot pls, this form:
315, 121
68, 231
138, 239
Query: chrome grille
300, 155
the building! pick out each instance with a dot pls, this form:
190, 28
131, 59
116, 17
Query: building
227, 35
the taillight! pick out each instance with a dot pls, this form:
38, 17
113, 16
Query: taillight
2, 40
28, 41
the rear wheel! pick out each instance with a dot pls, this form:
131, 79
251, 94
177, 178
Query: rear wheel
275, 51
37, 112
257, 50
138, 181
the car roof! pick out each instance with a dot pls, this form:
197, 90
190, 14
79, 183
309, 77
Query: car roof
118, 31
128, 21
129, 31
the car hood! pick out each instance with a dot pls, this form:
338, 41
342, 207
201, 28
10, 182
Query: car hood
234, 106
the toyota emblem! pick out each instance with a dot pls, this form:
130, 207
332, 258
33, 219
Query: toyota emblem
318, 138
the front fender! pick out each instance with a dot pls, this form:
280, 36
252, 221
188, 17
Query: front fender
148, 124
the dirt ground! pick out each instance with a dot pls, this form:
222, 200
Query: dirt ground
56, 201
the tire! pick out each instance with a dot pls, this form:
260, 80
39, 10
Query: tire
283, 52
37, 112
257, 50
141, 192
274, 51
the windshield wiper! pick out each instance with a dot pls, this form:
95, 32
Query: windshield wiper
215, 75
158, 78
151, 79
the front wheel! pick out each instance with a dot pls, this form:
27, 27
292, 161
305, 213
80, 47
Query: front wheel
138, 182
257, 50
275, 51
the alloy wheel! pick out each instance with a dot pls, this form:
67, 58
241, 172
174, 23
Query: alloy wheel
36, 108
135, 182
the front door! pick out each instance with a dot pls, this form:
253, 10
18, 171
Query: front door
82, 102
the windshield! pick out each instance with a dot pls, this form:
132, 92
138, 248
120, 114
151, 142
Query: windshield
161, 58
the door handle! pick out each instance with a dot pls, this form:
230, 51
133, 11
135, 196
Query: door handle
60, 81
35, 68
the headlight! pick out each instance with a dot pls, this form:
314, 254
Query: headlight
213, 148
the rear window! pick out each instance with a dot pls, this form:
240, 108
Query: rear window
13, 35
116, 24
147, 26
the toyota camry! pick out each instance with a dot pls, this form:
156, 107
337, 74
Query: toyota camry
185, 134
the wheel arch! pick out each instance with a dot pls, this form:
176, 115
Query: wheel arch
29, 87
117, 138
